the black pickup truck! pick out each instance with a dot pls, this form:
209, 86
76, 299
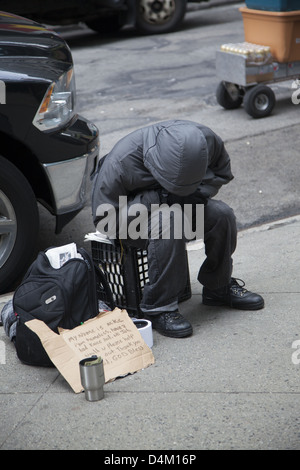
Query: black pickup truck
48, 152
147, 16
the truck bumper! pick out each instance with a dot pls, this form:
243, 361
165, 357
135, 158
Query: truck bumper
70, 181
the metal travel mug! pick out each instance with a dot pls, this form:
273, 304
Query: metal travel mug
92, 377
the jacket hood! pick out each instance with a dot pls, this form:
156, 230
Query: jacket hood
176, 154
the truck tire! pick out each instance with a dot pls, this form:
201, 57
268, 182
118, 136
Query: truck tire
159, 16
19, 223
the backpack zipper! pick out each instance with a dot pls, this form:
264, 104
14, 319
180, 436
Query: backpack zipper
93, 299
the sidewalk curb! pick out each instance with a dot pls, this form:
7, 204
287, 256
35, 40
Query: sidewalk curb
270, 225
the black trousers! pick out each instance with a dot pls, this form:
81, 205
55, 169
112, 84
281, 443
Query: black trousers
167, 259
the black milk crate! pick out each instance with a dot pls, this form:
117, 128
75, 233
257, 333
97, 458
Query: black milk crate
126, 271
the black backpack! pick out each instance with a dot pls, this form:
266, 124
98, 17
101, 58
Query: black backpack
63, 297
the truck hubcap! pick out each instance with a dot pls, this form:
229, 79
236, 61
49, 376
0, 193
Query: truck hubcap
157, 11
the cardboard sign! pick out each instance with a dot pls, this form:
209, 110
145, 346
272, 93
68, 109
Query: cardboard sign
111, 335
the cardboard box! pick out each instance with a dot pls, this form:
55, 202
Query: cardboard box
111, 335
278, 30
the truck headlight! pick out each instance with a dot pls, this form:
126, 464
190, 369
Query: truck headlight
58, 104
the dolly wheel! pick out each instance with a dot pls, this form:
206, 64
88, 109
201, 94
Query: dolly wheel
259, 101
229, 95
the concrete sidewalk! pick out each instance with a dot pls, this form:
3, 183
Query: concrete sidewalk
234, 384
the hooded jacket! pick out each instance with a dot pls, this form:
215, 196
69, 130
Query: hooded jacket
180, 157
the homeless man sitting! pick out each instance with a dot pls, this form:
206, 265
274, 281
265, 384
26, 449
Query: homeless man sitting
175, 162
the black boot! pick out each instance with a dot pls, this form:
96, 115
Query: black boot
171, 324
234, 295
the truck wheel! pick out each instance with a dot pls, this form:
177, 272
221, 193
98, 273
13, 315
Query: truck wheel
229, 95
19, 222
259, 101
159, 16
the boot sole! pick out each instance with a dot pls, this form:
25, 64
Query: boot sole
175, 334
219, 303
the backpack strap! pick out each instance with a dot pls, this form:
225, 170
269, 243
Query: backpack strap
103, 289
